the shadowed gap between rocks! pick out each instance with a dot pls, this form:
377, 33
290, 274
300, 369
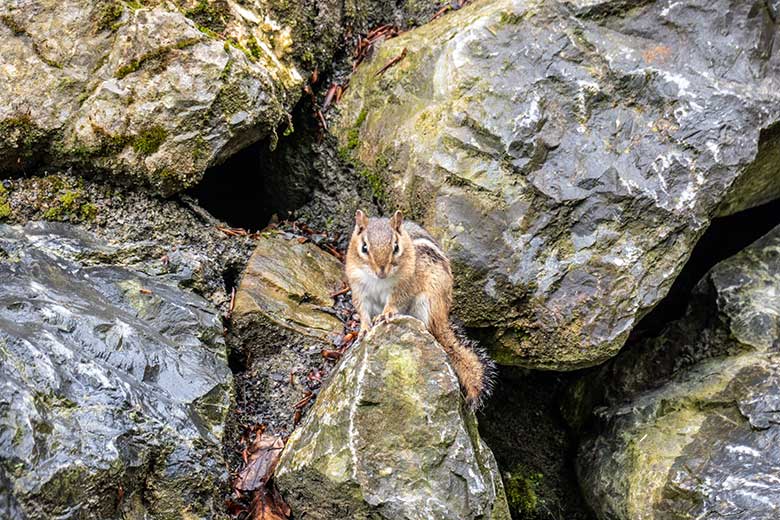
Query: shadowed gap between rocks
533, 446
725, 237
522, 422
247, 190
302, 178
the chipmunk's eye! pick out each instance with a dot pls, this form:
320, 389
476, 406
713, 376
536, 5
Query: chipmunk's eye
364, 248
395, 249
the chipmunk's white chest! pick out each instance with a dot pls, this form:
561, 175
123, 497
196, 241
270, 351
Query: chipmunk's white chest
375, 291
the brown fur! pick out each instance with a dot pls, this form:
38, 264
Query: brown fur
386, 282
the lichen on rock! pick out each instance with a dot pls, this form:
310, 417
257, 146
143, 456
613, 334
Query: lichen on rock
389, 437
569, 155
153, 93
689, 420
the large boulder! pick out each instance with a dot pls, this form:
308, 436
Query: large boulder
569, 154
115, 384
152, 94
389, 437
691, 426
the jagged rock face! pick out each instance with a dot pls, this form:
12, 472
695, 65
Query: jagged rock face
570, 154
705, 440
154, 94
389, 438
278, 325
115, 385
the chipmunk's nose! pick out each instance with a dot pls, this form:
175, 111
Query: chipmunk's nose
381, 273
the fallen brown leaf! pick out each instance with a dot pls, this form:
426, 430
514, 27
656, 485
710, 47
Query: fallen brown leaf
268, 504
263, 457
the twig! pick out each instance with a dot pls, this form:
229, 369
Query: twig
391, 63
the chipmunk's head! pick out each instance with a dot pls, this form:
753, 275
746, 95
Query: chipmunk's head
381, 243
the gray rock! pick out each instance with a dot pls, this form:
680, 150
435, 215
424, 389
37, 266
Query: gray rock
703, 443
151, 95
389, 437
192, 254
115, 384
278, 325
569, 154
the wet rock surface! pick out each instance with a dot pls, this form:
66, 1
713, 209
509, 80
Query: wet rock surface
174, 239
389, 438
154, 93
115, 384
569, 155
281, 322
689, 419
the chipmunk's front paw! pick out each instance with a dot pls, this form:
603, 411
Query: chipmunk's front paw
384, 317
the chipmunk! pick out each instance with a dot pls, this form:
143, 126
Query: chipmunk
396, 267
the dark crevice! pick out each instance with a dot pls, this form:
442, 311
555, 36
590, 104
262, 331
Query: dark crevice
534, 448
725, 237
261, 182
241, 191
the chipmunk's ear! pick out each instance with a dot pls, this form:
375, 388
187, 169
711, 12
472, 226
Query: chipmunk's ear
396, 220
361, 221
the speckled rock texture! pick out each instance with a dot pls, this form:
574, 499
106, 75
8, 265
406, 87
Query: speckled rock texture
115, 384
691, 425
389, 437
152, 92
569, 154
279, 324
174, 238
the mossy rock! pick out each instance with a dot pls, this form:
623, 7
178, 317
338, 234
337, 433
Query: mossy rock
389, 437
568, 178
684, 424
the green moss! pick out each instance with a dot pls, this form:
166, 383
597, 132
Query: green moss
108, 145
361, 118
250, 56
353, 138
210, 14
68, 201
208, 32
521, 493
353, 134
508, 17
21, 130
149, 140
12, 24
5, 207
230, 100
254, 47
134, 4
375, 182
156, 54
106, 14
89, 211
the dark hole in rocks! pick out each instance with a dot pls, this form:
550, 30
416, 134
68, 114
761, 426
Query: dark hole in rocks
255, 184
725, 237
231, 276
533, 446
247, 190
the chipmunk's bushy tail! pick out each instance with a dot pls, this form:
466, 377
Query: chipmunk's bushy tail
475, 370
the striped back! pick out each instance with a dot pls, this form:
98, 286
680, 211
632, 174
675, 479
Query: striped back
424, 244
